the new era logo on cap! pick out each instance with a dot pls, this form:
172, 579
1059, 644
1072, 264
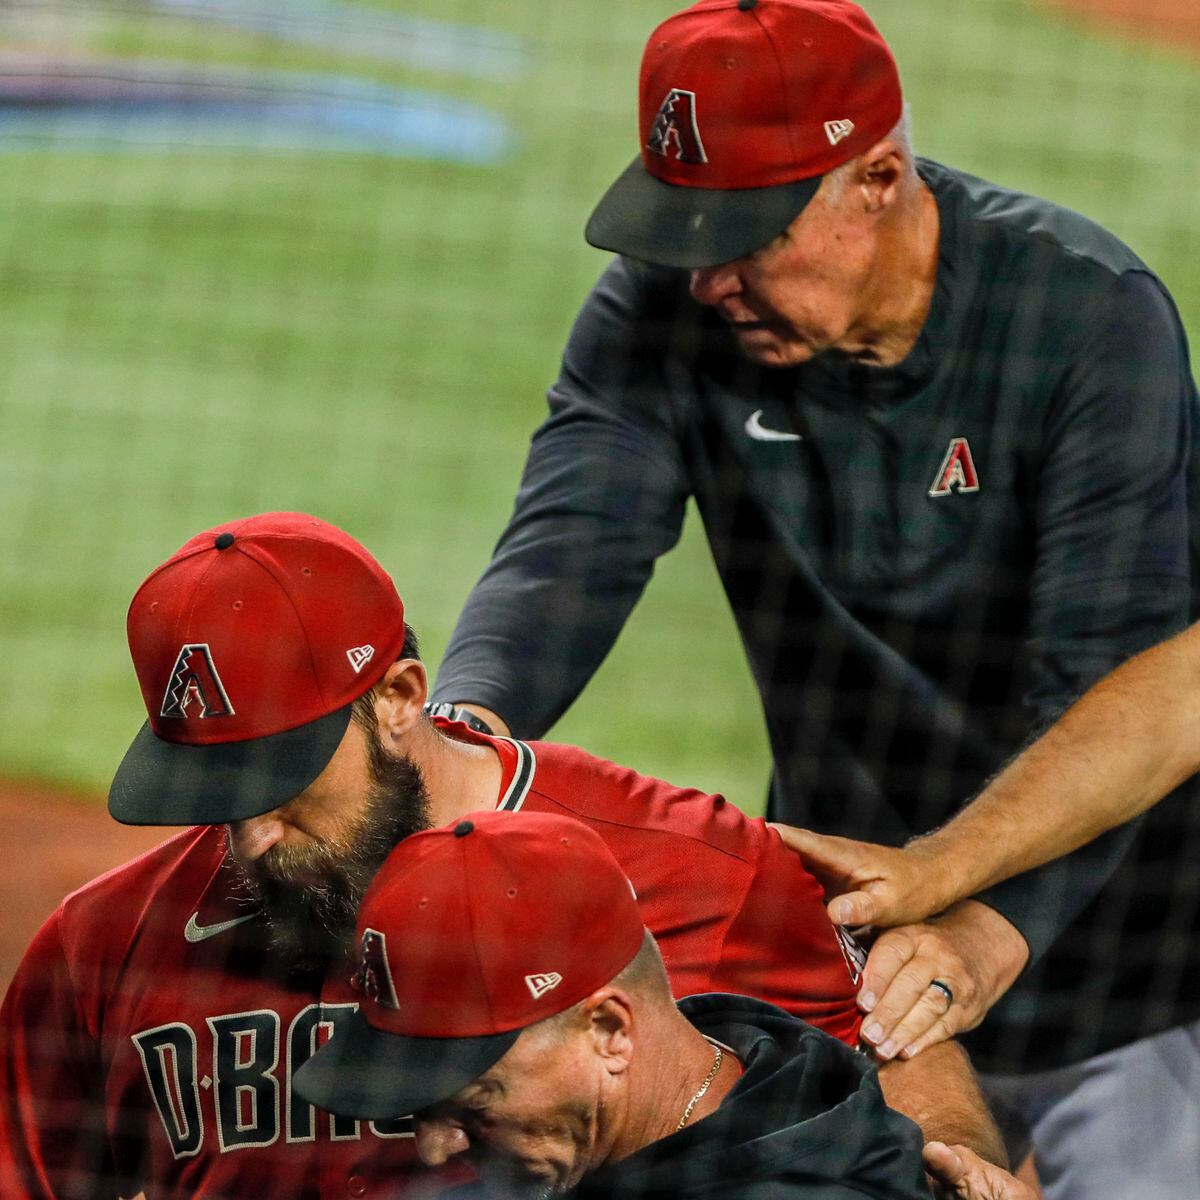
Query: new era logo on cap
542, 983
359, 656
838, 131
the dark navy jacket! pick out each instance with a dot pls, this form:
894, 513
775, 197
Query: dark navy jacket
926, 567
806, 1121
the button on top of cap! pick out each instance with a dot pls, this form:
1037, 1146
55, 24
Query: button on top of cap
223, 541
746, 5
463, 828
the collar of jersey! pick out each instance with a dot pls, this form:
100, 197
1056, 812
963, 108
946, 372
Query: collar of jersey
518, 762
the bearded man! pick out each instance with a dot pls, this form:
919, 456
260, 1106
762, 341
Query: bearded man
152, 1033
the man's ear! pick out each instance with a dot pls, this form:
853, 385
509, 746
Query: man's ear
879, 175
399, 699
609, 1015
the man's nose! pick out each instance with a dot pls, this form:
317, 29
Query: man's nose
711, 285
252, 838
439, 1141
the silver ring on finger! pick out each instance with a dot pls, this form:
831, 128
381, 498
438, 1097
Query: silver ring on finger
946, 991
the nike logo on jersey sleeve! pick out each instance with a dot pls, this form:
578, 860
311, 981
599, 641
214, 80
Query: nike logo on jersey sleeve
193, 931
760, 433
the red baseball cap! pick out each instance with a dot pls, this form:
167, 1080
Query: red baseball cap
744, 105
469, 934
251, 643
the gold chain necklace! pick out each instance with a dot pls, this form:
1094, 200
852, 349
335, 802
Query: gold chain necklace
687, 1112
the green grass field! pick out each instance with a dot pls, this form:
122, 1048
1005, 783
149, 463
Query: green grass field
188, 336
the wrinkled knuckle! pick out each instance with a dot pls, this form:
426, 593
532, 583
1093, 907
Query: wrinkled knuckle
882, 970
913, 975
942, 1030
966, 989
888, 1015
915, 1033
892, 948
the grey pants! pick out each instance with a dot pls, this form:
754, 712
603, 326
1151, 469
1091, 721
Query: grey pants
1122, 1126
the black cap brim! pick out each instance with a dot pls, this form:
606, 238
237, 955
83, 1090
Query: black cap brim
675, 226
169, 783
366, 1073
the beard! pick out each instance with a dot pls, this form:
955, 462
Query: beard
310, 894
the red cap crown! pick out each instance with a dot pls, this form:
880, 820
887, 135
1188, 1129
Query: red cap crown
491, 925
260, 626
755, 93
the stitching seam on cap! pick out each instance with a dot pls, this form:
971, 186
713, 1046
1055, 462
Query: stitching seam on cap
299, 620
470, 932
175, 559
197, 585
787, 99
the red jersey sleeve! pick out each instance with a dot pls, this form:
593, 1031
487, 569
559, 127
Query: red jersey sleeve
53, 1141
781, 946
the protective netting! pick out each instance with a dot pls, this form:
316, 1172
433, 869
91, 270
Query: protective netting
324, 257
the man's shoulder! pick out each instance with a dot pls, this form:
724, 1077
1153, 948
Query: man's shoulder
745, 1023
130, 923
627, 803
988, 209
182, 864
806, 1118
649, 306
650, 283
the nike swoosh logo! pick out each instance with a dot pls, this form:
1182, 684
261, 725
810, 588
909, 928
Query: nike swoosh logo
195, 932
760, 433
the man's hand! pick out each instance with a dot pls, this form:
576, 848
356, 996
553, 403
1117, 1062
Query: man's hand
867, 884
961, 1174
970, 950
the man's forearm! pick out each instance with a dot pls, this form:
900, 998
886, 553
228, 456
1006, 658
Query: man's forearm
938, 1091
1118, 750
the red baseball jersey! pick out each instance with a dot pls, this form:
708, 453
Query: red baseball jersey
150, 1036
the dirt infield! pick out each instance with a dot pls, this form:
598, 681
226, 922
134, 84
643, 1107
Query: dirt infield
1173, 22
55, 843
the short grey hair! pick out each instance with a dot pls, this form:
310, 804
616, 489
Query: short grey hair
835, 183
645, 977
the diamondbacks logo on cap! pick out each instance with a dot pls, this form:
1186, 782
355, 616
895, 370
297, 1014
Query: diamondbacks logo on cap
957, 472
838, 131
541, 983
675, 122
195, 678
359, 656
374, 977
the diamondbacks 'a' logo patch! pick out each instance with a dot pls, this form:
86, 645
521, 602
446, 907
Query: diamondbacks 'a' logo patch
852, 952
957, 472
374, 977
195, 680
542, 982
675, 129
